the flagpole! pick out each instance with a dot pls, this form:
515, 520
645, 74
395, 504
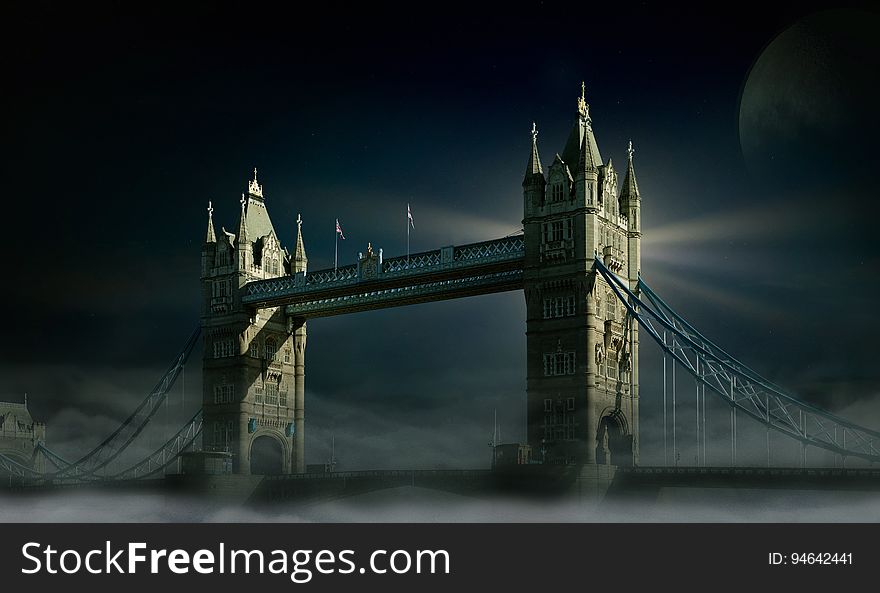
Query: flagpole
336, 252
407, 235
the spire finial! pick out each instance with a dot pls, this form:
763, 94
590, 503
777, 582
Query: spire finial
630, 150
255, 173
583, 108
534, 132
243, 201
210, 209
299, 222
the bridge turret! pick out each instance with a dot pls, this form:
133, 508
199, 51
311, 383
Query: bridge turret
582, 394
630, 206
244, 252
630, 199
209, 248
533, 183
299, 261
248, 377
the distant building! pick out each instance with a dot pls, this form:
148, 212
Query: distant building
20, 435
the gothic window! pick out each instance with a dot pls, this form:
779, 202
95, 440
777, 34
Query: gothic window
610, 308
223, 433
224, 348
611, 367
287, 355
557, 230
570, 404
548, 405
223, 257
559, 363
272, 393
561, 306
557, 192
258, 392
282, 395
220, 288
224, 394
589, 193
271, 349
254, 350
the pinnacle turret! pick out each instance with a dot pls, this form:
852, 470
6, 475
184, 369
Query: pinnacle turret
212, 236
242, 225
299, 260
630, 189
534, 165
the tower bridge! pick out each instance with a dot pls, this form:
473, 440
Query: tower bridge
577, 261
582, 349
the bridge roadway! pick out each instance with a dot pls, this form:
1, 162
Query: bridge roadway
376, 283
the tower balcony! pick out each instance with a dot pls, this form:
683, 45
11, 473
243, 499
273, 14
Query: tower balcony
613, 258
553, 251
221, 304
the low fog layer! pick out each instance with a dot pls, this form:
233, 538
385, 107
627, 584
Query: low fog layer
408, 504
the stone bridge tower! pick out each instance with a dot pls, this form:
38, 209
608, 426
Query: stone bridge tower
582, 360
253, 367
20, 435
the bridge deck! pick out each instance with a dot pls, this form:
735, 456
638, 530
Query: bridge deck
448, 272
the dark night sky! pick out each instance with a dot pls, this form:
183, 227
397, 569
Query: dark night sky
759, 200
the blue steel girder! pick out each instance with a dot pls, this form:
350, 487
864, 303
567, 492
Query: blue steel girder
739, 386
448, 272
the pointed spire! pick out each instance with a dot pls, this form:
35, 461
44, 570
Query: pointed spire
211, 237
589, 159
630, 189
242, 225
534, 166
582, 130
299, 253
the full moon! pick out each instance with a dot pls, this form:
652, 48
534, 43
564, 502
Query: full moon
810, 98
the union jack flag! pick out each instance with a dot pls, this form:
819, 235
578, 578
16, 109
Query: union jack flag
339, 229
409, 216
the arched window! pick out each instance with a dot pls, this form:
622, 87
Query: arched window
271, 349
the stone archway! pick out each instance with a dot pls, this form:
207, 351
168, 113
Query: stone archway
613, 441
267, 456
